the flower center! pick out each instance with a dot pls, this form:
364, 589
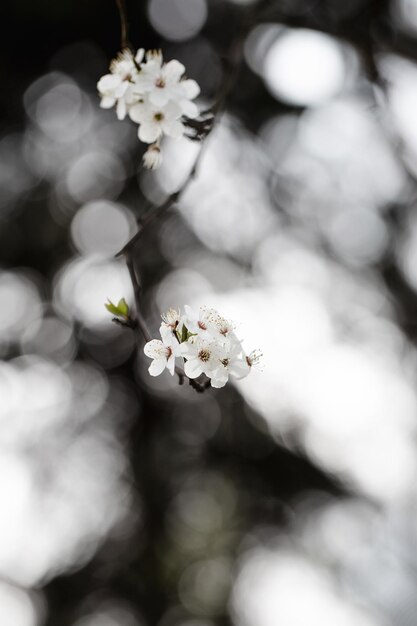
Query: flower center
158, 117
204, 355
160, 83
127, 77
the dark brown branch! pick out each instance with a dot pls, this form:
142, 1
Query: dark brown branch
124, 25
200, 387
132, 324
136, 291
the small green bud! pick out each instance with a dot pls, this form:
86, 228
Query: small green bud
184, 334
119, 310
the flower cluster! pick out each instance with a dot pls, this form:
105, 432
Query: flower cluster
205, 342
154, 94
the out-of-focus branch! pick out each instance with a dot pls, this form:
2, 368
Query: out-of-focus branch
124, 25
137, 294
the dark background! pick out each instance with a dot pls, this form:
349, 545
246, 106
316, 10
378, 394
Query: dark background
144, 502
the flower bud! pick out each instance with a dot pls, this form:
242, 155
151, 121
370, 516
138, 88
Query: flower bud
119, 310
152, 158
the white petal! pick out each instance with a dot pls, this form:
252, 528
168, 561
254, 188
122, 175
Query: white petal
239, 369
107, 102
188, 349
173, 129
120, 91
191, 88
137, 113
219, 379
171, 364
173, 110
154, 59
173, 71
139, 56
149, 132
155, 349
141, 84
157, 367
190, 109
191, 314
166, 334
175, 347
107, 83
193, 368
121, 109
159, 96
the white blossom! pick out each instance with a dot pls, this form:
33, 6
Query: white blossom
198, 323
171, 319
164, 82
222, 329
201, 357
155, 94
156, 121
117, 87
234, 364
208, 323
163, 354
205, 343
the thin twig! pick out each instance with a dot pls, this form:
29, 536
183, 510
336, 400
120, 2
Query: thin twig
124, 25
136, 291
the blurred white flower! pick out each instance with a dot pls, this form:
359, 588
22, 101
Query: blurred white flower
155, 94
155, 122
163, 82
116, 87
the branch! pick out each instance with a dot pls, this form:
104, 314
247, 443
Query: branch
201, 129
226, 85
136, 290
124, 25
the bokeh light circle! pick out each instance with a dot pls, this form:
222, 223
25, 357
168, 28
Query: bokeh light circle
178, 20
304, 67
101, 227
85, 284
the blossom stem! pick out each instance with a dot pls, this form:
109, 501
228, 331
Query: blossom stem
136, 290
124, 25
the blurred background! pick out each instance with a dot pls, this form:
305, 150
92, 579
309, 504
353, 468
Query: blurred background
289, 499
